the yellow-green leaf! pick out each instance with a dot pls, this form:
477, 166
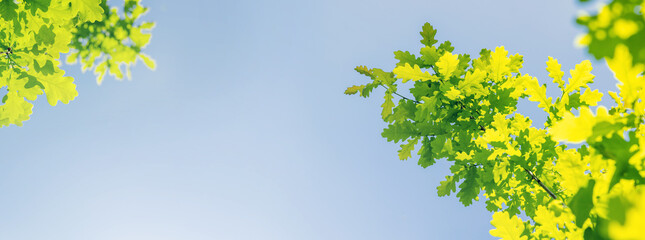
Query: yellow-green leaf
591, 98
500, 64
507, 228
15, 110
537, 93
88, 10
553, 67
387, 105
580, 76
407, 72
572, 171
453, 94
406, 149
627, 74
472, 84
59, 88
150, 63
354, 89
447, 64
574, 129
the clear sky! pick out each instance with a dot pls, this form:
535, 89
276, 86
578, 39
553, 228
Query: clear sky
243, 131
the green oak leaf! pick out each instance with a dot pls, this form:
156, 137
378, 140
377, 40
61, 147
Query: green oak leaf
426, 158
582, 203
354, 89
34, 5
406, 57
87, 10
387, 105
429, 55
8, 10
403, 111
399, 131
428, 32
406, 149
447, 186
59, 88
469, 188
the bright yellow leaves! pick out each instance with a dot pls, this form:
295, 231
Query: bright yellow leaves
148, 61
624, 28
517, 84
519, 123
612, 19
464, 156
40, 31
499, 64
500, 123
537, 93
634, 220
578, 129
548, 223
638, 159
468, 109
631, 84
407, 72
500, 171
500, 132
582, 40
15, 110
536, 137
553, 67
580, 77
621, 207
453, 94
59, 88
572, 170
447, 64
507, 228
574, 129
88, 10
556, 222
472, 84
591, 98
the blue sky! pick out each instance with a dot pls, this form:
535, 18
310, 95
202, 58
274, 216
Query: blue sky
243, 131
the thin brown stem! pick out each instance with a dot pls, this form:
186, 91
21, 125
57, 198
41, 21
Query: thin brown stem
395, 93
540, 183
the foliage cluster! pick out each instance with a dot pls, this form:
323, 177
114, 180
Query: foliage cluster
34, 34
464, 110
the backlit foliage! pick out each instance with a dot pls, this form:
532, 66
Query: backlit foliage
465, 110
35, 33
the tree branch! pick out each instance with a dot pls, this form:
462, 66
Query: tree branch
415, 101
541, 184
551, 194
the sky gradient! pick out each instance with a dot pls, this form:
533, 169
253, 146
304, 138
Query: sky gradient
243, 130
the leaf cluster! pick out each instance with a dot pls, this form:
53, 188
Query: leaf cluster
34, 34
464, 111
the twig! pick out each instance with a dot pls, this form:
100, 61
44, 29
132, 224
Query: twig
415, 101
551, 194
541, 184
532, 175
